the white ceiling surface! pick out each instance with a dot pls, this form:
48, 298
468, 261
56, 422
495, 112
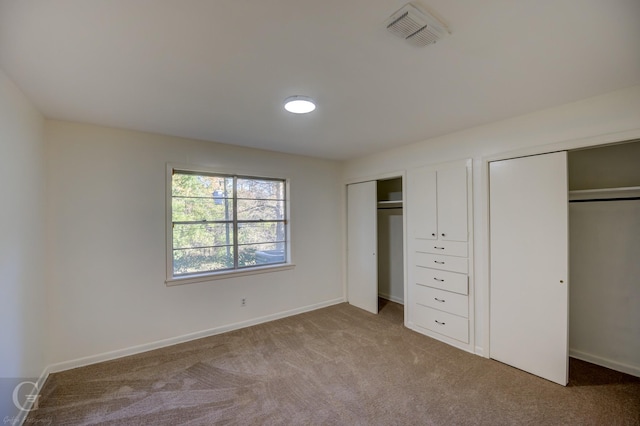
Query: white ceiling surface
219, 70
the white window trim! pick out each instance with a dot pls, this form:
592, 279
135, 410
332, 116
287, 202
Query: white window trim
171, 280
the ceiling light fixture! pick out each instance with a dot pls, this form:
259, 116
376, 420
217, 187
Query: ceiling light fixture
299, 104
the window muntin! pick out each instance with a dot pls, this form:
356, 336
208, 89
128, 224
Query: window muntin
225, 223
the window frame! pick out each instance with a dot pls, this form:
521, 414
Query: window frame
236, 271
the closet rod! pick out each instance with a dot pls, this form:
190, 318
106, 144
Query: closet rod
605, 194
594, 200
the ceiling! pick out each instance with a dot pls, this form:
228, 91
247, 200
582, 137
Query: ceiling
219, 70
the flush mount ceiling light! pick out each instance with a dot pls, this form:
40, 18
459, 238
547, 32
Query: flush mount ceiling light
299, 104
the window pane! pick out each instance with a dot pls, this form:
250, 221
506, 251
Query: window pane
187, 185
202, 235
260, 189
263, 232
192, 261
254, 207
198, 209
260, 210
261, 254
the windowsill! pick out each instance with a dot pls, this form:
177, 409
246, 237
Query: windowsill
212, 276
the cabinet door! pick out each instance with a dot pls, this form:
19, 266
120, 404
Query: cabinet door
421, 202
452, 204
362, 245
529, 264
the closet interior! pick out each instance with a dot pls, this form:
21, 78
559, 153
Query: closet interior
604, 256
390, 240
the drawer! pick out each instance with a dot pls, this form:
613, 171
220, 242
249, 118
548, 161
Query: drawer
441, 322
445, 263
444, 280
449, 248
442, 300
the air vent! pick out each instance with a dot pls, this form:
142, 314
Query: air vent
416, 27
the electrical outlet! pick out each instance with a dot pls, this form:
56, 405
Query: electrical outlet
243, 302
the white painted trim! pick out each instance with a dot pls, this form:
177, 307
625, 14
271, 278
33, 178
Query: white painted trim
391, 298
111, 355
405, 250
343, 223
564, 145
383, 176
471, 240
634, 370
168, 248
486, 246
196, 167
234, 273
480, 351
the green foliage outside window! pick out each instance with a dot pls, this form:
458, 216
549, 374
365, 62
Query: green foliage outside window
226, 222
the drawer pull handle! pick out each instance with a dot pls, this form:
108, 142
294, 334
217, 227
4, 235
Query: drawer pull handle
444, 235
439, 263
433, 234
438, 322
438, 279
439, 248
439, 300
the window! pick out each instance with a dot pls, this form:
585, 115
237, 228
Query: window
225, 223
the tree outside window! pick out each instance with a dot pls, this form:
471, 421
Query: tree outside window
225, 222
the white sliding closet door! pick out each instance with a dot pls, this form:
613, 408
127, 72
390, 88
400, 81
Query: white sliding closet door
362, 245
529, 312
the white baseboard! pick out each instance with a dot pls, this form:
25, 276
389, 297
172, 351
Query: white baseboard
391, 298
107, 356
444, 339
480, 351
634, 370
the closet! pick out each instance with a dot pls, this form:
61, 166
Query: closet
390, 240
439, 220
565, 260
604, 256
375, 242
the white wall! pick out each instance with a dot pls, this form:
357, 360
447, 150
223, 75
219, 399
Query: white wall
591, 121
22, 235
107, 245
605, 295
390, 259
611, 166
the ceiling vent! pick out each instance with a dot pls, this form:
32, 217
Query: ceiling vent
416, 27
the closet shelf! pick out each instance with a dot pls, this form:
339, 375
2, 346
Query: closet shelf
605, 193
390, 203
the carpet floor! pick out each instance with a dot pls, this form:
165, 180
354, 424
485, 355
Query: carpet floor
338, 365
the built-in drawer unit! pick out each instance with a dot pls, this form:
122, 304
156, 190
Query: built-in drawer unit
444, 280
449, 248
442, 300
440, 284
446, 263
442, 322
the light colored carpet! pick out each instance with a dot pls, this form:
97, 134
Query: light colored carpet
338, 365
